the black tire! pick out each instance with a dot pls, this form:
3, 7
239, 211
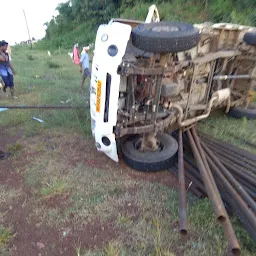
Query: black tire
161, 37
239, 112
150, 161
250, 38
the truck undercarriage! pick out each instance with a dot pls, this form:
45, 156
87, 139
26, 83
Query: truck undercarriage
170, 75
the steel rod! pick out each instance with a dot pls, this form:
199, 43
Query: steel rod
225, 77
222, 151
182, 189
44, 107
239, 171
230, 178
238, 199
229, 146
211, 192
226, 224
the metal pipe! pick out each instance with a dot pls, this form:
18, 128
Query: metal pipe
228, 230
43, 107
226, 77
156, 100
194, 119
211, 192
229, 146
231, 179
231, 205
236, 160
203, 156
238, 171
182, 189
226, 152
238, 199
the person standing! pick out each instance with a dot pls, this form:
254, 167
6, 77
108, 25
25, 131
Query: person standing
76, 55
85, 65
9, 51
6, 69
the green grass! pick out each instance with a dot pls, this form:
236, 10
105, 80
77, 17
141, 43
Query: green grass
5, 235
45, 81
227, 129
53, 188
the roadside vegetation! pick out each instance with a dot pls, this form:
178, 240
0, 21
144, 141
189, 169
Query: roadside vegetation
78, 20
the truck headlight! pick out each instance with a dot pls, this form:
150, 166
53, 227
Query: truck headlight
112, 50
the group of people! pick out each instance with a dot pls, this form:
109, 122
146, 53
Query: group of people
83, 61
6, 69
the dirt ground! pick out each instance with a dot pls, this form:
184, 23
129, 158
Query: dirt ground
30, 237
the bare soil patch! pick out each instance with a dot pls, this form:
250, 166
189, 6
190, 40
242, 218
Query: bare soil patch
32, 237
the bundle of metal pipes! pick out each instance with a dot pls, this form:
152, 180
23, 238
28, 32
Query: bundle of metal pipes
224, 173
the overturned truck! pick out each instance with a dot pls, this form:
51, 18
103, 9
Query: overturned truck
151, 78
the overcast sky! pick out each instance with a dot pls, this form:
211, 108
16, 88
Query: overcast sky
13, 27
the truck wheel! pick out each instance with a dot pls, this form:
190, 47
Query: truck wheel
162, 159
238, 112
250, 38
161, 37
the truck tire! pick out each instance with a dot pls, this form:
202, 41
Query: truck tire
150, 161
239, 112
250, 38
163, 37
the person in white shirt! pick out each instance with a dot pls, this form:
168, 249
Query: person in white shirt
85, 65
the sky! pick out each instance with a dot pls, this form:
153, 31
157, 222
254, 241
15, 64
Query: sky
13, 28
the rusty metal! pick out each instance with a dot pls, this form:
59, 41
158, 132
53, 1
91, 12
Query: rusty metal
156, 100
215, 55
233, 244
182, 190
219, 149
228, 230
209, 82
237, 191
230, 178
156, 127
236, 160
214, 195
229, 146
193, 83
239, 171
149, 100
129, 69
203, 156
238, 199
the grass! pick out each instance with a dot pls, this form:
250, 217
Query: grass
15, 148
225, 128
52, 64
5, 235
53, 188
72, 187
45, 81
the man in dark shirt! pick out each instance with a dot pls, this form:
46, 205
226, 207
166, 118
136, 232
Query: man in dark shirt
6, 69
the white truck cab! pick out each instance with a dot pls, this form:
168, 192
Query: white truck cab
110, 46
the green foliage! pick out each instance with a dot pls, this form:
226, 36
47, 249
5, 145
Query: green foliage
52, 64
78, 20
30, 57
